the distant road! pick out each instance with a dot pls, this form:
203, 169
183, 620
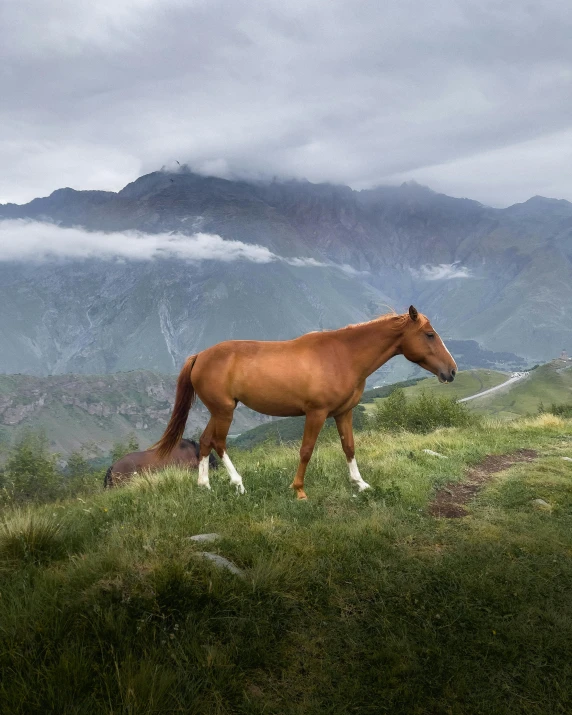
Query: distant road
515, 377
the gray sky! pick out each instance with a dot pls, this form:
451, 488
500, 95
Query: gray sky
470, 98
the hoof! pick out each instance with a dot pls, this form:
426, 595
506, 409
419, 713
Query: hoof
240, 489
363, 486
301, 494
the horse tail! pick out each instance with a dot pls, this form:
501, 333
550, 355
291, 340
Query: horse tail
184, 400
107, 482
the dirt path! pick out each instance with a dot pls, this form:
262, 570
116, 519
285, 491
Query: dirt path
450, 499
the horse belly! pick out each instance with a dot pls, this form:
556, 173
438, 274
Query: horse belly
267, 405
287, 394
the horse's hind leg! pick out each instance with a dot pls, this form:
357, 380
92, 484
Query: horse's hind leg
215, 438
206, 445
345, 430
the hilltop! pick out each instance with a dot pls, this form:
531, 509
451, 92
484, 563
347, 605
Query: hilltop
367, 604
546, 385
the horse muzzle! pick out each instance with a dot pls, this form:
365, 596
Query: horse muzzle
447, 375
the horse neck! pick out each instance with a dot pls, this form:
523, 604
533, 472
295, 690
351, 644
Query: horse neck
372, 344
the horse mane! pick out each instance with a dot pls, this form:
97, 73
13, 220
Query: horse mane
381, 319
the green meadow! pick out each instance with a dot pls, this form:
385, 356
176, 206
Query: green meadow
347, 603
548, 384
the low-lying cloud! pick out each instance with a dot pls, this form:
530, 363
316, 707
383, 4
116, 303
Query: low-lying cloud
23, 240
443, 271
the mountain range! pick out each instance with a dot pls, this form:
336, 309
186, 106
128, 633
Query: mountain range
500, 277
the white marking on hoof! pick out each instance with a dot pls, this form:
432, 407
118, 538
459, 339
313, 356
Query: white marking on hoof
355, 476
203, 480
235, 477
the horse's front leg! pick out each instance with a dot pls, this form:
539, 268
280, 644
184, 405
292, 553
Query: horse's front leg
345, 430
313, 425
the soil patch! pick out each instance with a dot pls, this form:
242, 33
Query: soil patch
449, 500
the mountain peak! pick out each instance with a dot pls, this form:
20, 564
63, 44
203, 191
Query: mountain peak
413, 185
539, 205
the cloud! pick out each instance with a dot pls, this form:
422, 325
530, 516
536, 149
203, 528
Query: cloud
450, 93
443, 271
23, 240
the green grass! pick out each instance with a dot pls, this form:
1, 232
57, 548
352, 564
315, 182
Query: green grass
467, 383
349, 605
546, 385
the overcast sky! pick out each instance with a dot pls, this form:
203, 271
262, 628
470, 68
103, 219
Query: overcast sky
470, 98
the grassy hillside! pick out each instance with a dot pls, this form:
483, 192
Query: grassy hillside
347, 605
467, 383
550, 383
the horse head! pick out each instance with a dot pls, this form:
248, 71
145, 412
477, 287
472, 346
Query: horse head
422, 345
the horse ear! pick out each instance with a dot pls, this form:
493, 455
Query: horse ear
413, 314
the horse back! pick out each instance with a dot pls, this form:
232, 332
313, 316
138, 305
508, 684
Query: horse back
276, 377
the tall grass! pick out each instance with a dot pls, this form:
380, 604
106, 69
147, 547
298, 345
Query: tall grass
350, 604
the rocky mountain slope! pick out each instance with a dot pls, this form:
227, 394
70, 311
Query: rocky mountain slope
94, 411
501, 277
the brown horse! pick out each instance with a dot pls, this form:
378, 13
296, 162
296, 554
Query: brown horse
185, 455
320, 375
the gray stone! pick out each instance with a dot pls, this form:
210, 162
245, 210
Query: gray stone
222, 563
567, 459
540, 504
205, 537
435, 454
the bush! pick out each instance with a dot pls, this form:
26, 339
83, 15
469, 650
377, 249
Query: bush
120, 449
31, 473
564, 410
80, 477
422, 414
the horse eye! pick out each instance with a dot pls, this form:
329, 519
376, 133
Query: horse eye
430, 335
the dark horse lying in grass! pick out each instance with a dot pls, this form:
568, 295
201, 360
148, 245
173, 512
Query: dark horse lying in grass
319, 375
186, 455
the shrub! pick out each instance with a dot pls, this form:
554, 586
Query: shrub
564, 410
120, 449
31, 473
422, 414
80, 476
